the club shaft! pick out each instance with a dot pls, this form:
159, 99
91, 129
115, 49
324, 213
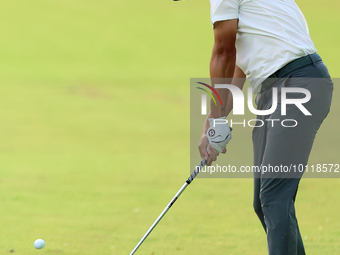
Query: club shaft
190, 179
160, 217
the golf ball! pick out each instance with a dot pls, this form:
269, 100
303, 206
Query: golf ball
39, 244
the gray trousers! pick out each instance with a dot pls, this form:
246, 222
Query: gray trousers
274, 195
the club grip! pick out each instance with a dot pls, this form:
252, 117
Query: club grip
196, 171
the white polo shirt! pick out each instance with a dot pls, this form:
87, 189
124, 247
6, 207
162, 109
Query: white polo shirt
271, 33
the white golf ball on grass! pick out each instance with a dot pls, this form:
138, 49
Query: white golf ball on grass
39, 244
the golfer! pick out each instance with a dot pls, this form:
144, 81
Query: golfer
267, 42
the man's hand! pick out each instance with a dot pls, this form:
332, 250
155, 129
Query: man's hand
214, 139
207, 151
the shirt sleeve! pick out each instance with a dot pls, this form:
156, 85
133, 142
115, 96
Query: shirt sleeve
223, 10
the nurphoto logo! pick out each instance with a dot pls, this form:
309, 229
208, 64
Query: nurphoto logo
238, 99
238, 103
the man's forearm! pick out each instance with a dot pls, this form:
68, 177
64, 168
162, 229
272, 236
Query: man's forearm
222, 65
238, 80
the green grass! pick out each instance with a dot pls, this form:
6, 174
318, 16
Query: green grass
94, 127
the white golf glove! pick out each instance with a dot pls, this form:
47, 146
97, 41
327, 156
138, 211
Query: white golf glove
219, 133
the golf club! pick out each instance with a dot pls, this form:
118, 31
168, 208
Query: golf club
188, 181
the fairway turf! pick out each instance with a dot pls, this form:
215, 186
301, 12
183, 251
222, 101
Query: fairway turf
94, 127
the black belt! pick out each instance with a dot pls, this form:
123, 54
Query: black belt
295, 64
